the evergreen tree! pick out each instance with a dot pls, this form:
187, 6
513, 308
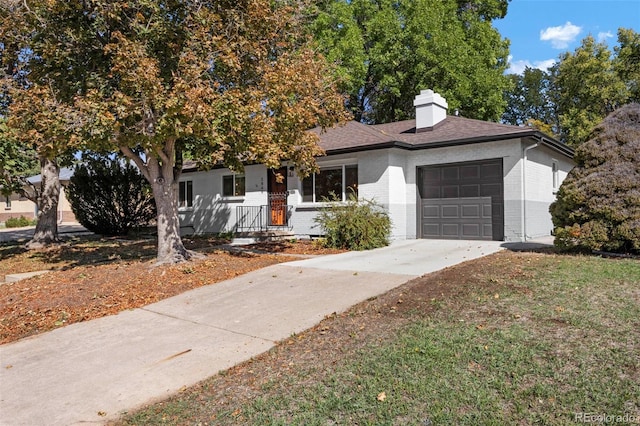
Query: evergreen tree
109, 196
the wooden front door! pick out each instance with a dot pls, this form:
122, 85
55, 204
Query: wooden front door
277, 189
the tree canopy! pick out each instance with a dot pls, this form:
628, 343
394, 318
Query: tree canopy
578, 92
17, 162
386, 51
233, 82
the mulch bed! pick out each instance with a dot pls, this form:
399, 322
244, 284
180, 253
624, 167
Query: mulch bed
93, 281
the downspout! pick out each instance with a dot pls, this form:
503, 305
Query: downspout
524, 188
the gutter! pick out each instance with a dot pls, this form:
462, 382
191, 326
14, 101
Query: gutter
541, 138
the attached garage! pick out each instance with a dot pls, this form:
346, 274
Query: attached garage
462, 201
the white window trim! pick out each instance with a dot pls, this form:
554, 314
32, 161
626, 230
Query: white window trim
187, 207
555, 176
327, 165
234, 197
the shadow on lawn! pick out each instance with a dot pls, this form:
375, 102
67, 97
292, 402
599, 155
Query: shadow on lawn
96, 250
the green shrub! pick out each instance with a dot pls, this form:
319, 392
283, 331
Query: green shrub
355, 225
109, 196
19, 222
598, 205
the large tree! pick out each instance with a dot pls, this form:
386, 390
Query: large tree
588, 89
231, 81
40, 122
34, 102
579, 91
388, 50
627, 61
530, 101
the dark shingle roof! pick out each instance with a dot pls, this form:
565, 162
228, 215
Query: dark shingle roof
355, 136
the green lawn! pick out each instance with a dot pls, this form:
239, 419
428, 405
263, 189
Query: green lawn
538, 339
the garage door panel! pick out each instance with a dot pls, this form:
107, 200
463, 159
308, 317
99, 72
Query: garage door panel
450, 230
431, 175
491, 189
430, 212
471, 230
450, 191
470, 190
463, 201
471, 211
491, 170
431, 230
469, 172
450, 212
451, 173
431, 192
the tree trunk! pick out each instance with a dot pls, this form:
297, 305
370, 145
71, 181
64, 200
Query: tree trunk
46, 232
162, 172
170, 246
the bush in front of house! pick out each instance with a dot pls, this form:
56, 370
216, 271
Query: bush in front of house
355, 224
598, 205
109, 196
19, 222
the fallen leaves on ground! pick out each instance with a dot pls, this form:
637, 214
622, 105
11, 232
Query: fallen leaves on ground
98, 278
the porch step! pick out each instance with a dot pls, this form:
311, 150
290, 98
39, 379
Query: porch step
244, 238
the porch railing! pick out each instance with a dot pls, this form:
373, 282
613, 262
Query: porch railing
261, 218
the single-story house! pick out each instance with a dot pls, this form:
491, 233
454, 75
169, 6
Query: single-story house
438, 176
15, 205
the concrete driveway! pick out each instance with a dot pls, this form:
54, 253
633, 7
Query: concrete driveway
92, 372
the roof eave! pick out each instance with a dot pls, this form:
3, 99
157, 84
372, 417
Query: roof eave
552, 143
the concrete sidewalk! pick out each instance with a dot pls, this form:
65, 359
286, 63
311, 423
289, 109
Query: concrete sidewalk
92, 372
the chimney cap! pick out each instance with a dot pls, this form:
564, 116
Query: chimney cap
428, 96
431, 109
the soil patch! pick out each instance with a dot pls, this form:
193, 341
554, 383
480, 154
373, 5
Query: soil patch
94, 277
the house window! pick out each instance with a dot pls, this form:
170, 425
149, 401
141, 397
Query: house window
554, 171
185, 194
331, 183
233, 185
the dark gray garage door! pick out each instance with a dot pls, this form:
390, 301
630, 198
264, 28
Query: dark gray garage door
462, 201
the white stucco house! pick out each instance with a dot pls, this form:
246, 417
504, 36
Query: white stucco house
438, 176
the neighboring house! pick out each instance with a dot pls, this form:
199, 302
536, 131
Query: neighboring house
438, 176
16, 205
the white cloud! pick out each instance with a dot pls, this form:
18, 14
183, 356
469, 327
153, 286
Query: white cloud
518, 67
602, 36
561, 36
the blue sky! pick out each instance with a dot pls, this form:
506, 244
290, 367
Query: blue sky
540, 30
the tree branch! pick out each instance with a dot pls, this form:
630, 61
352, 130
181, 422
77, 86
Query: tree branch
137, 160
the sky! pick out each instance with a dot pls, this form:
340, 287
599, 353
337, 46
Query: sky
540, 30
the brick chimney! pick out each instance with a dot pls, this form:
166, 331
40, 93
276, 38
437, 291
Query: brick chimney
431, 108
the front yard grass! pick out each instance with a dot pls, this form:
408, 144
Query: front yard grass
513, 338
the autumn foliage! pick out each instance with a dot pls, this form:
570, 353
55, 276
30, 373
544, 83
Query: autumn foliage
230, 82
598, 206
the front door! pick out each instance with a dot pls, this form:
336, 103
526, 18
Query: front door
277, 188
